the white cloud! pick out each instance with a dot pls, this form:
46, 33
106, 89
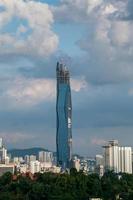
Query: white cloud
103, 21
41, 40
93, 4
21, 92
70, 10
130, 92
79, 84
15, 137
84, 10
102, 17
29, 92
108, 43
121, 33
109, 9
98, 141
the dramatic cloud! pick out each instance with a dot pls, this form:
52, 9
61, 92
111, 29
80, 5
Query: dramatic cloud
108, 42
83, 10
32, 33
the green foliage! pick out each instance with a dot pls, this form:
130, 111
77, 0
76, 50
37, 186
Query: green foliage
6, 178
110, 185
76, 186
37, 192
73, 172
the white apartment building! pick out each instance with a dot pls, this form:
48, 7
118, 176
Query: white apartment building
125, 159
76, 164
18, 160
35, 166
117, 158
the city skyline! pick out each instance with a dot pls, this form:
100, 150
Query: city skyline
93, 38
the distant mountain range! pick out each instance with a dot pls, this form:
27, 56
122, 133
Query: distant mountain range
23, 152
31, 151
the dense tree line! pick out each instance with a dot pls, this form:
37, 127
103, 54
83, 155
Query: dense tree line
73, 186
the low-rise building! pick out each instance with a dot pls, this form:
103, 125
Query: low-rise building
6, 168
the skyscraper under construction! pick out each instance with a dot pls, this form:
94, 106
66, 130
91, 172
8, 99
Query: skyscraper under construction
64, 117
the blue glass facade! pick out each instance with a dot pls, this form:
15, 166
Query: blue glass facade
64, 118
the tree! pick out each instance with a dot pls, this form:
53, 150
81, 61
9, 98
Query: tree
73, 172
37, 192
110, 185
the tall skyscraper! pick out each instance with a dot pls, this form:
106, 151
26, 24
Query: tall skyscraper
64, 117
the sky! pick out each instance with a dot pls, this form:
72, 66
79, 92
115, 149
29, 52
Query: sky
94, 39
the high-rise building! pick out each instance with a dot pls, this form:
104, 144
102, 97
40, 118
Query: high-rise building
46, 156
99, 160
3, 154
117, 158
4, 158
27, 159
64, 117
35, 166
125, 159
32, 158
1, 143
99, 168
76, 163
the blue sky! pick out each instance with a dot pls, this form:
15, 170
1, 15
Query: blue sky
94, 38
68, 35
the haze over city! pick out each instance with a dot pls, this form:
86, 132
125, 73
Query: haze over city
94, 40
